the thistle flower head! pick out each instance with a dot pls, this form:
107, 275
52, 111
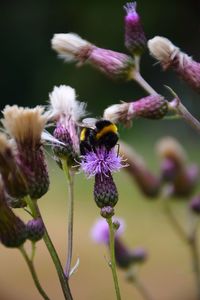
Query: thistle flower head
101, 162
163, 50
151, 107
118, 113
25, 125
66, 111
135, 40
71, 46
100, 231
63, 104
169, 148
171, 56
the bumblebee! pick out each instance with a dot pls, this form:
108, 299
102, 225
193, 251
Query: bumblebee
96, 133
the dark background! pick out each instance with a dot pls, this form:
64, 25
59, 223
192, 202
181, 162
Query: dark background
30, 68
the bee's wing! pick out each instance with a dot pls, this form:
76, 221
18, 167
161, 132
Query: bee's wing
89, 123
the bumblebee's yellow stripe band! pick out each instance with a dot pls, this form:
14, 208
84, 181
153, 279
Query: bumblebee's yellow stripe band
82, 135
106, 129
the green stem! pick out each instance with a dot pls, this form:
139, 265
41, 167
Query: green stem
33, 273
112, 256
70, 181
52, 251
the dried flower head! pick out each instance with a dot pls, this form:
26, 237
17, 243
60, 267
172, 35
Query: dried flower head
151, 107
135, 40
171, 56
113, 64
67, 112
71, 46
12, 229
25, 126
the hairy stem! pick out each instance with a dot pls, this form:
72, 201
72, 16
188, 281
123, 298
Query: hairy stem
33, 273
52, 251
112, 257
70, 181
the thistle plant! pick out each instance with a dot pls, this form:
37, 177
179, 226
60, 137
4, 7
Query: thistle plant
92, 149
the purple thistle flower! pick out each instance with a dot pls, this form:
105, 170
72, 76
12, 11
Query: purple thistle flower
101, 161
100, 230
135, 40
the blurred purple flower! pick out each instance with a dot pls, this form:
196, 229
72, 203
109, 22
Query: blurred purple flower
100, 230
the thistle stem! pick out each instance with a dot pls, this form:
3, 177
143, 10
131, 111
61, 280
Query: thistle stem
70, 181
177, 106
173, 221
190, 240
52, 251
133, 277
33, 273
112, 256
136, 76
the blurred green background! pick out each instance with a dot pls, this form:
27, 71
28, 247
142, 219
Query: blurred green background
29, 71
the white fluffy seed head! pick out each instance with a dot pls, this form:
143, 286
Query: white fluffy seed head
68, 45
63, 104
162, 49
24, 124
